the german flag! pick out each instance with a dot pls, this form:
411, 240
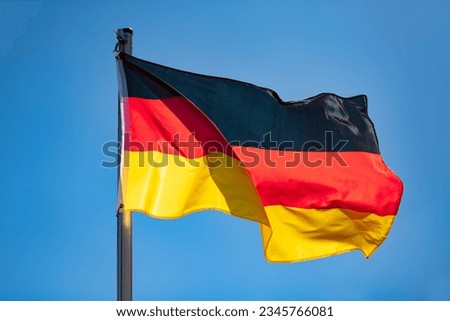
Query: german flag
309, 171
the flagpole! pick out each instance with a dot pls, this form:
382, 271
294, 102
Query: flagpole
124, 218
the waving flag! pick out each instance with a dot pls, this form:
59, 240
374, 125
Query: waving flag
309, 171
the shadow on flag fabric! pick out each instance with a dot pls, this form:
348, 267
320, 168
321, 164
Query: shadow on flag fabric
309, 171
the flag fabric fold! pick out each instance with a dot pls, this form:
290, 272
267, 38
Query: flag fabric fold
309, 171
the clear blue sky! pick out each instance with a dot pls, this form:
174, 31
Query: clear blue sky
59, 105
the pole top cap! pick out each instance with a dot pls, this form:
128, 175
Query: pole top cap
124, 39
127, 30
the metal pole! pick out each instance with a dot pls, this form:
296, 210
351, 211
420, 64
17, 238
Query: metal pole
124, 256
124, 218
